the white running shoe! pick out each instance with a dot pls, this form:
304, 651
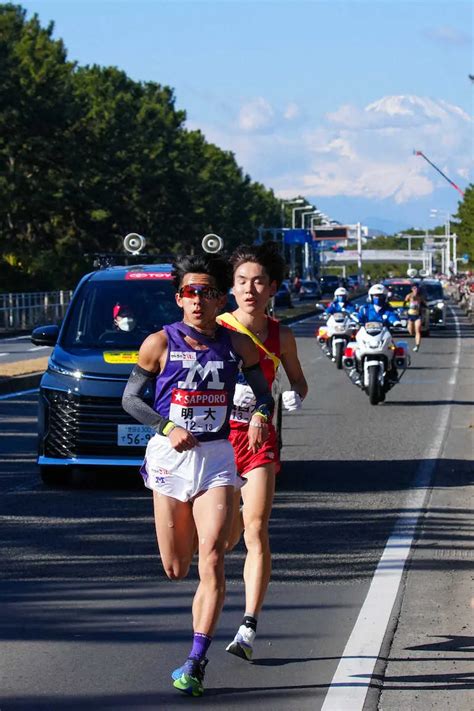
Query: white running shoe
242, 644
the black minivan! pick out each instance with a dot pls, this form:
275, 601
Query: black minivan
81, 422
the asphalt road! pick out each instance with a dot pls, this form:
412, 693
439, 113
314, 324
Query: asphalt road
88, 620
18, 348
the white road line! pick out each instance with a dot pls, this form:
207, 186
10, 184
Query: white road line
38, 348
301, 320
16, 338
457, 356
18, 393
3, 354
351, 681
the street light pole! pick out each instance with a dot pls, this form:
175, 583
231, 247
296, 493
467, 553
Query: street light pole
296, 201
447, 235
293, 215
359, 251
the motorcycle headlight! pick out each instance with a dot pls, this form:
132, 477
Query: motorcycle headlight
54, 367
440, 305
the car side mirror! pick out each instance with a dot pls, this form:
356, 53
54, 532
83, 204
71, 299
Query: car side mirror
45, 335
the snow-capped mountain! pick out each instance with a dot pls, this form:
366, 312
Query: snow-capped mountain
416, 106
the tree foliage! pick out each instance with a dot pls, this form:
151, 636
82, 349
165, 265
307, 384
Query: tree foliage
464, 226
88, 155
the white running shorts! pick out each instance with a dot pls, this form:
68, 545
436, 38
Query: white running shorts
184, 475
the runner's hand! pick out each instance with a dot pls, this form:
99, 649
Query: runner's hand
257, 433
243, 396
182, 440
291, 400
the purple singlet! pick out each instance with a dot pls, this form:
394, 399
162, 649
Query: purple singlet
196, 387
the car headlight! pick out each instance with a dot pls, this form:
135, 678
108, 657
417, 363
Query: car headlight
54, 367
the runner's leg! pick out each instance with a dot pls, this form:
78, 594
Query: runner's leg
175, 532
258, 498
418, 332
212, 512
257, 495
237, 525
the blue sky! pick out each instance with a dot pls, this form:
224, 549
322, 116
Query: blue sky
323, 99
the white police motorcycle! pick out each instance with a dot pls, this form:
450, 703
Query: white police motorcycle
373, 362
335, 335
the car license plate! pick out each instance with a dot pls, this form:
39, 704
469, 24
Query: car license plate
134, 435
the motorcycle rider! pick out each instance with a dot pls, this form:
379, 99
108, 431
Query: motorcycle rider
377, 308
340, 303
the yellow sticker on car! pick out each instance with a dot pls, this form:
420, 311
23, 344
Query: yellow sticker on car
121, 356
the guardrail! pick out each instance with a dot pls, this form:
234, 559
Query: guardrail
24, 311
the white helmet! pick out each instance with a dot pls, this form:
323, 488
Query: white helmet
340, 294
378, 294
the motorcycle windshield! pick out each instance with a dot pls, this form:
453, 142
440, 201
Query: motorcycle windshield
373, 327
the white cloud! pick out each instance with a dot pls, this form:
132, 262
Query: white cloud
357, 152
256, 115
448, 35
292, 111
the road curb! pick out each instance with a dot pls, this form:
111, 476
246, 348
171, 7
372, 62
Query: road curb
297, 317
17, 383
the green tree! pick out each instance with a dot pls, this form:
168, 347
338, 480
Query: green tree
35, 121
464, 227
87, 155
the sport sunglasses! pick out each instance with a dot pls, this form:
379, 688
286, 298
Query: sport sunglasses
206, 292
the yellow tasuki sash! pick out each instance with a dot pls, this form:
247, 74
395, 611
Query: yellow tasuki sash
230, 320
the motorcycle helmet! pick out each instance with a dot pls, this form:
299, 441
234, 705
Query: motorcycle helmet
340, 295
377, 295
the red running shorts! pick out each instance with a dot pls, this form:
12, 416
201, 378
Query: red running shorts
245, 460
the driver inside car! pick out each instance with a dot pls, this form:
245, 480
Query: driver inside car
124, 318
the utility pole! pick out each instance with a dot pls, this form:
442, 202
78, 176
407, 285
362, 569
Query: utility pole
359, 251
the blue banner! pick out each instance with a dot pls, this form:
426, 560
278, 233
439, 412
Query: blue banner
297, 236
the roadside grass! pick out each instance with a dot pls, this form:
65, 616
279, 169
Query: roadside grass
298, 310
24, 367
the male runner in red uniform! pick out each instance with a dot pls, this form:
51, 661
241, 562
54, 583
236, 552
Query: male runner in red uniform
258, 272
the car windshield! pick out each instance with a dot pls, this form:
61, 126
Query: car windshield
328, 285
146, 304
309, 284
432, 291
329, 281
398, 291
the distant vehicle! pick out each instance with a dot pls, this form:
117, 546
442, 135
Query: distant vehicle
329, 283
432, 290
398, 291
81, 422
352, 282
282, 298
309, 290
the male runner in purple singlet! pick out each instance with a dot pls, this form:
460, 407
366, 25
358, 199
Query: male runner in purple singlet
189, 463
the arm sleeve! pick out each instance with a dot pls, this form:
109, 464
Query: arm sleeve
257, 381
134, 403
